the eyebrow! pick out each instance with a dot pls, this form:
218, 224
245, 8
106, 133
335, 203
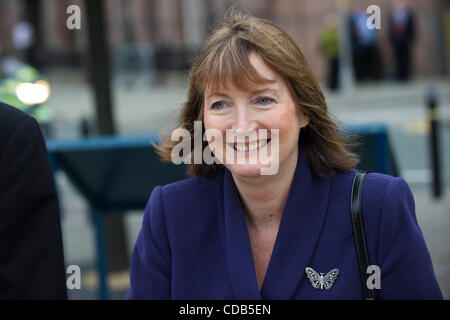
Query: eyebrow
221, 94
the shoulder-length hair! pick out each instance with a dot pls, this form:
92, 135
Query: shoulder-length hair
225, 57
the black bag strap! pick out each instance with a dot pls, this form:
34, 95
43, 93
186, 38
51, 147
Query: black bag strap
358, 231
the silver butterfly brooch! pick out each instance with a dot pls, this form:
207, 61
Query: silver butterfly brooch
320, 281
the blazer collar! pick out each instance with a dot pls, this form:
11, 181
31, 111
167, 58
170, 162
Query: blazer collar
298, 234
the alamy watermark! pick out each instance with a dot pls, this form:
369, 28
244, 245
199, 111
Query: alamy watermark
74, 279
73, 21
241, 148
374, 280
374, 20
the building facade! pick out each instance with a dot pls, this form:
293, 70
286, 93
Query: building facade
179, 26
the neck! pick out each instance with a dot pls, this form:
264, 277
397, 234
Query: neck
264, 197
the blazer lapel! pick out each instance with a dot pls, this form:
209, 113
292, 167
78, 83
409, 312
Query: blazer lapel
236, 241
299, 231
298, 234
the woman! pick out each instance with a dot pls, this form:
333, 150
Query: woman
234, 231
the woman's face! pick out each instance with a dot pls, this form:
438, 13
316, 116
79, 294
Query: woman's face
266, 106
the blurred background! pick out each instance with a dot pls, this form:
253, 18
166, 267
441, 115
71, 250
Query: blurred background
119, 68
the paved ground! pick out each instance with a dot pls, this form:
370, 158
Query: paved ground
149, 109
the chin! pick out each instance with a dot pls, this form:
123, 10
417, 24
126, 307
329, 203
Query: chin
245, 170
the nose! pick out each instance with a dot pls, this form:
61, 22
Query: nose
243, 121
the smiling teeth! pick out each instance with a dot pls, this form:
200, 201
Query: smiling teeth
251, 146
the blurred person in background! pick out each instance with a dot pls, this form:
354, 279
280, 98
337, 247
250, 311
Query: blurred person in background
24, 40
401, 36
31, 251
329, 47
367, 62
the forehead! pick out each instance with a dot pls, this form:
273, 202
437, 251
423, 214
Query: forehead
263, 69
252, 77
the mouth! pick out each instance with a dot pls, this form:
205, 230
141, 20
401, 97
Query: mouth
249, 146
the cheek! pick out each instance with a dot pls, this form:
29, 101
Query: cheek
287, 122
213, 122
215, 130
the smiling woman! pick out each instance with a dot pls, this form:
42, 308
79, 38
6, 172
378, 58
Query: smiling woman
262, 62
231, 232
242, 112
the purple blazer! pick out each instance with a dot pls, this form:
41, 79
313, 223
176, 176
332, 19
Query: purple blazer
194, 242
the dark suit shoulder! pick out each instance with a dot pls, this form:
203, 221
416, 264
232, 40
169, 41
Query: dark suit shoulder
10, 119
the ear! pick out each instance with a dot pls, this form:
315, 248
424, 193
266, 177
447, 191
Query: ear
304, 120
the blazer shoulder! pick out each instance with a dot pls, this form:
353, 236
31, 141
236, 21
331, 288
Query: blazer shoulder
190, 192
388, 206
380, 191
188, 183
192, 188
376, 185
386, 186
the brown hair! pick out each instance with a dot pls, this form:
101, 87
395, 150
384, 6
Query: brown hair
225, 56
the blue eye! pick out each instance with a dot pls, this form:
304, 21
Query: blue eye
218, 105
264, 100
